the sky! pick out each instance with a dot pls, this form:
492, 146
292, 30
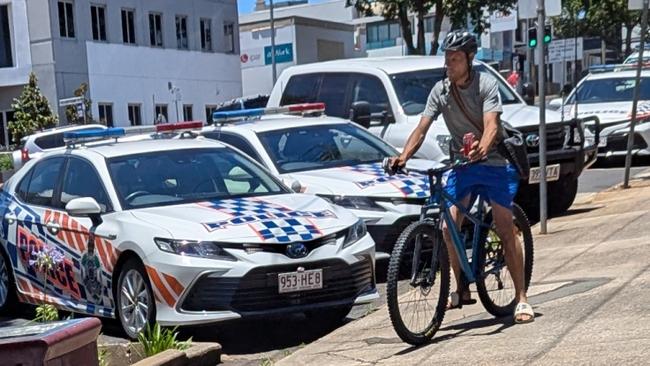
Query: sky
247, 6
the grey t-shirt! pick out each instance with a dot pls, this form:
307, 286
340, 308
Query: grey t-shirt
481, 96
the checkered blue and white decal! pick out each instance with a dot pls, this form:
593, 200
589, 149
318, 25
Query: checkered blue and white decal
412, 185
270, 221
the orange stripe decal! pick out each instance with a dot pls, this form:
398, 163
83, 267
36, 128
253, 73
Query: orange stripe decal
100, 251
174, 284
46, 217
78, 237
153, 275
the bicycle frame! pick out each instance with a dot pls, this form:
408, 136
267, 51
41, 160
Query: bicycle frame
438, 201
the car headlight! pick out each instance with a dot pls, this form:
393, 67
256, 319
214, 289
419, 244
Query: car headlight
355, 233
354, 202
192, 248
444, 142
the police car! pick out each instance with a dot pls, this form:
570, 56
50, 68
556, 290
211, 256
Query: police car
331, 157
607, 92
182, 231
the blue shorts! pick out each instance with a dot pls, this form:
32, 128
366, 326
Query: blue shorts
495, 183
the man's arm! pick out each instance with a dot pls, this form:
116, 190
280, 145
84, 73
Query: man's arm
490, 130
416, 139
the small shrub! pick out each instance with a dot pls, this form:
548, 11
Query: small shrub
155, 340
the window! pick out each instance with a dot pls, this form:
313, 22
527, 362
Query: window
50, 141
206, 35
330, 146
173, 177
135, 115
209, 110
6, 58
161, 113
66, 19
300, 89
187, 112
181, 32
229, 37
383, 34
155, 30
128, 26
81, 180
98, 19
106, 114
236, 141
333, 93
42, 181
369, 89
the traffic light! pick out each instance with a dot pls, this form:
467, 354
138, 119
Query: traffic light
547, 34
532, 37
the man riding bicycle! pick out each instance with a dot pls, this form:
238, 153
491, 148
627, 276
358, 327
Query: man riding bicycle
470, 103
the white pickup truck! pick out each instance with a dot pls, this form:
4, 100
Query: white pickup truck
388, 95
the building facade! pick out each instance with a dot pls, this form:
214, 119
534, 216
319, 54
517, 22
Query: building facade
140, 58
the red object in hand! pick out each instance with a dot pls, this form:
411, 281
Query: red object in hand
468, 141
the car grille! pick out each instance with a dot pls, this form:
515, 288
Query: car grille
257, 291
281, 248
555, 139
619, 143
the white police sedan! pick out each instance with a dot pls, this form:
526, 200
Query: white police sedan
331, 157
181, 231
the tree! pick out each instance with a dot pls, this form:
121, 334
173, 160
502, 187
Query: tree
456, 10
604, 18
31, 111
71, 110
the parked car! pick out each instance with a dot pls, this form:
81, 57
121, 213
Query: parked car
181, 231
333, 158
388, 95
33, 146
607, 92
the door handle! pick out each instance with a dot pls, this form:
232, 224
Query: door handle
53, 227
11, 218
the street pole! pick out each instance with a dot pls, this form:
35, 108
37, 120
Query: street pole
542, 116
635, 101
275, 75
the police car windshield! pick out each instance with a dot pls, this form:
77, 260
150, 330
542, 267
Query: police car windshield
181, 176
413, 88
322, 147
610, 90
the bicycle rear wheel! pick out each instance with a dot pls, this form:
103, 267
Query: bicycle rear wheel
494, 283
417, 284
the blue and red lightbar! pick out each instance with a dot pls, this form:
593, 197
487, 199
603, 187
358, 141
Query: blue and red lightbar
259, 112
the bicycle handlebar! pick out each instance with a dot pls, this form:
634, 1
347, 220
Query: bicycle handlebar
431, 171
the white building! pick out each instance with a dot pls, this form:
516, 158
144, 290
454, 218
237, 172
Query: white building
128, 52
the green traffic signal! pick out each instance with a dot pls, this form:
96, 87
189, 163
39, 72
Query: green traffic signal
547, 38
547, 34
532, 43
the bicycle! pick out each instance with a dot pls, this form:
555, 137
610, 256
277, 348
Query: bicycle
417, 245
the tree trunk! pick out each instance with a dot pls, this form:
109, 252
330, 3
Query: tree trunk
407, 37
437, 25
421, 50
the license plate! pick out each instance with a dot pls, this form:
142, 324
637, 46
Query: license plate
602, 142
300, 281
552, 173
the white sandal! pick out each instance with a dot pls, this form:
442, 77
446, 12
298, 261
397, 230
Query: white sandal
524, 309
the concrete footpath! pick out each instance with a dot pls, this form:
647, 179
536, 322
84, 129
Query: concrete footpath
590, 291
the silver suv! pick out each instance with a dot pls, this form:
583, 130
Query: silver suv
33, 146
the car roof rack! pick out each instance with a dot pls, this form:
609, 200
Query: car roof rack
306, 109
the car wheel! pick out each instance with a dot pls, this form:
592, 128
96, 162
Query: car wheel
7, 289
136, 306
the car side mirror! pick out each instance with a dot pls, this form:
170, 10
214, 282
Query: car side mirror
555, 104
85, 206
360, 113
529, 94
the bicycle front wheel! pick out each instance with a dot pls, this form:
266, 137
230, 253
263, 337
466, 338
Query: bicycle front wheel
494, 283
417, 284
